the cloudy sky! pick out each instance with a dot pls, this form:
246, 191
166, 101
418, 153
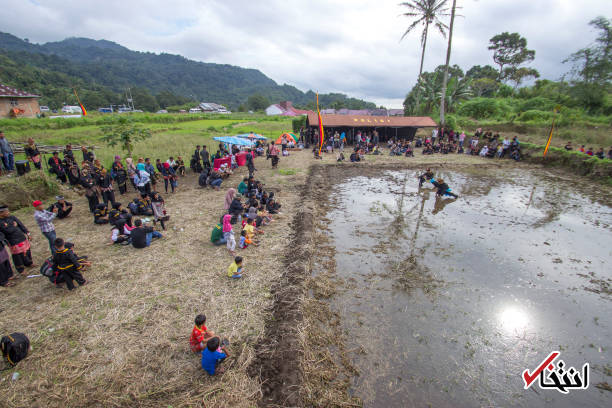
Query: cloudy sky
348, 46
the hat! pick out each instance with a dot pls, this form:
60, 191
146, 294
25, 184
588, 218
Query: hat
3, 207
59, 197
166, 165
117, 157
35, 204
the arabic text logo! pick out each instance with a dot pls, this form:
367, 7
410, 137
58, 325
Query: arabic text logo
562, 379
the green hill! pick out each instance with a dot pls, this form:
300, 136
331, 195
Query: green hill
107, 68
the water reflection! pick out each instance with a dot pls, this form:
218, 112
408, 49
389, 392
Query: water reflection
513, 320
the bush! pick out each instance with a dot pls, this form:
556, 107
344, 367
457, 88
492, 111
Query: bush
535, 116
538, 103
19, 192
483, 108
451, 121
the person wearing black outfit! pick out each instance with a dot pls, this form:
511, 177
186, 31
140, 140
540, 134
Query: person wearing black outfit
63, 207
55, 167
205, 157
87, 155
142, 235
6, 272
69, 154
32, 153
250, 164
89, 184
443, 188
66, 264
105, 182
18, 238
428, 175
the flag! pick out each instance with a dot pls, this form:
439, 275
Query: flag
80, 104
552, 128
320, 126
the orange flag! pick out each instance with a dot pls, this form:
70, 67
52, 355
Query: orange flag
80, 104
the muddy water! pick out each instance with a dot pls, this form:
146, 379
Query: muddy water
445, 302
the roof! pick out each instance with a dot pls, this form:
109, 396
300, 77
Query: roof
372, 121
7, 91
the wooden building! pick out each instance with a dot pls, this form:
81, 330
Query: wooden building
397, 127
17, 103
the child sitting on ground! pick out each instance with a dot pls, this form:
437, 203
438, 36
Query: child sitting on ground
245, 241
211, 356
200, 334
235, 270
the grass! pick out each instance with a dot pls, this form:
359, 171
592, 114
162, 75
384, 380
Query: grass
169, 139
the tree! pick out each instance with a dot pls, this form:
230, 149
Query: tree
478, 72
144, 100
517, 75
124, 133
594, 64
485, 87
510, 49
457, 90
448, 54
424, 12
257, 102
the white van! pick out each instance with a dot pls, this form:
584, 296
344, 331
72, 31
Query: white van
71, 109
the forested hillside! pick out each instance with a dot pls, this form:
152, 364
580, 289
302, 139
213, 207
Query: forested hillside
102, 70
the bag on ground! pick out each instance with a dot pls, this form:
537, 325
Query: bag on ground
15, 347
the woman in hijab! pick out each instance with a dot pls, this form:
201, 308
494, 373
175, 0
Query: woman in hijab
169, 176
131, 170
229, 197
142, 179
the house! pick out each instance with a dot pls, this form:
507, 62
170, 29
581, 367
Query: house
195, 110
17, 103
284, 108
209, 107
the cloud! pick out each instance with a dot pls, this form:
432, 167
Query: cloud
325, 45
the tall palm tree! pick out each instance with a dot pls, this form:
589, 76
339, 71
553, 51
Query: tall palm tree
424, 12
448, 53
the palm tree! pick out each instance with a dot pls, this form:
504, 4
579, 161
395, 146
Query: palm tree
448, 53
424, 12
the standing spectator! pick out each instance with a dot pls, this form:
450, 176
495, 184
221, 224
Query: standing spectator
273, 154
33, 154
44, 220
87, 155
151, 170
8, 158
205, 157
18, 238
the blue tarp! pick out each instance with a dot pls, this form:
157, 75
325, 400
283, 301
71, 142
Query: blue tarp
234, 140
253, 136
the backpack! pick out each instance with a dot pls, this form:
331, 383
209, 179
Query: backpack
15, 347
46, 269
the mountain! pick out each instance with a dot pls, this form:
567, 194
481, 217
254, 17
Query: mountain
104, 66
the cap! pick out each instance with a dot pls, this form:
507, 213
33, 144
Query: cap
36, 203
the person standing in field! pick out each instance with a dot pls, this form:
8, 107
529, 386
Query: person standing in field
8, 157
44, 219
18, 238
273, 155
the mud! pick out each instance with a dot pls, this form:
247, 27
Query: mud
448, 301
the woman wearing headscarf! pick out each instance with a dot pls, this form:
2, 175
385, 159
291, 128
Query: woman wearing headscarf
131, 170
169, 176
229, 197
142, 179
18, 238
33, 154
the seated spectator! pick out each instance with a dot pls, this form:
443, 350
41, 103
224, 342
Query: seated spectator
200, 334
568, 146
143, 235
101, 214
64, 208
212, 356
215, 180
600, 153
235, 269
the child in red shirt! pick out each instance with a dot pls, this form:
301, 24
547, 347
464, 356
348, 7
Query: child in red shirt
200, 334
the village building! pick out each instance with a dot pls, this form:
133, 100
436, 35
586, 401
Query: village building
284, 108
17, 103
397, 127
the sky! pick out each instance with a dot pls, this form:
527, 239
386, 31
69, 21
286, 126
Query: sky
347, 46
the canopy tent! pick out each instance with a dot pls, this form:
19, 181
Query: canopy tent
289, 137
239, 141
252, 136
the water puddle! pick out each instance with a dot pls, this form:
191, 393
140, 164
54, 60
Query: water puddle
446, 302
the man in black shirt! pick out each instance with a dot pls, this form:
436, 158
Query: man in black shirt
67, 264
63, 207
142, 236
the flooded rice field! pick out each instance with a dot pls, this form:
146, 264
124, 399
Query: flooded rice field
446, 302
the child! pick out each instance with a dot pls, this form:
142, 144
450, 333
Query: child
211, 357
235, 270
243, 240
428, 175
67, 264
228, 233
200, 334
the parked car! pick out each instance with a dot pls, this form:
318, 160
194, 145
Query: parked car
44, 108
162, 111
71, 109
